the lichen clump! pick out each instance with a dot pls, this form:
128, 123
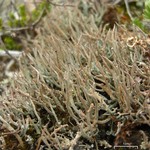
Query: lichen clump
79, 87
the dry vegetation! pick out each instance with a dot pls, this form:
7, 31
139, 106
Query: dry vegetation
79, 87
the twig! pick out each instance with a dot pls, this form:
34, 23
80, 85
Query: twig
60, 5
14, 54
128, 9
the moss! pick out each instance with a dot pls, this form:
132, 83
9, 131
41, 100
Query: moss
11, 43
21, 18
43, 6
